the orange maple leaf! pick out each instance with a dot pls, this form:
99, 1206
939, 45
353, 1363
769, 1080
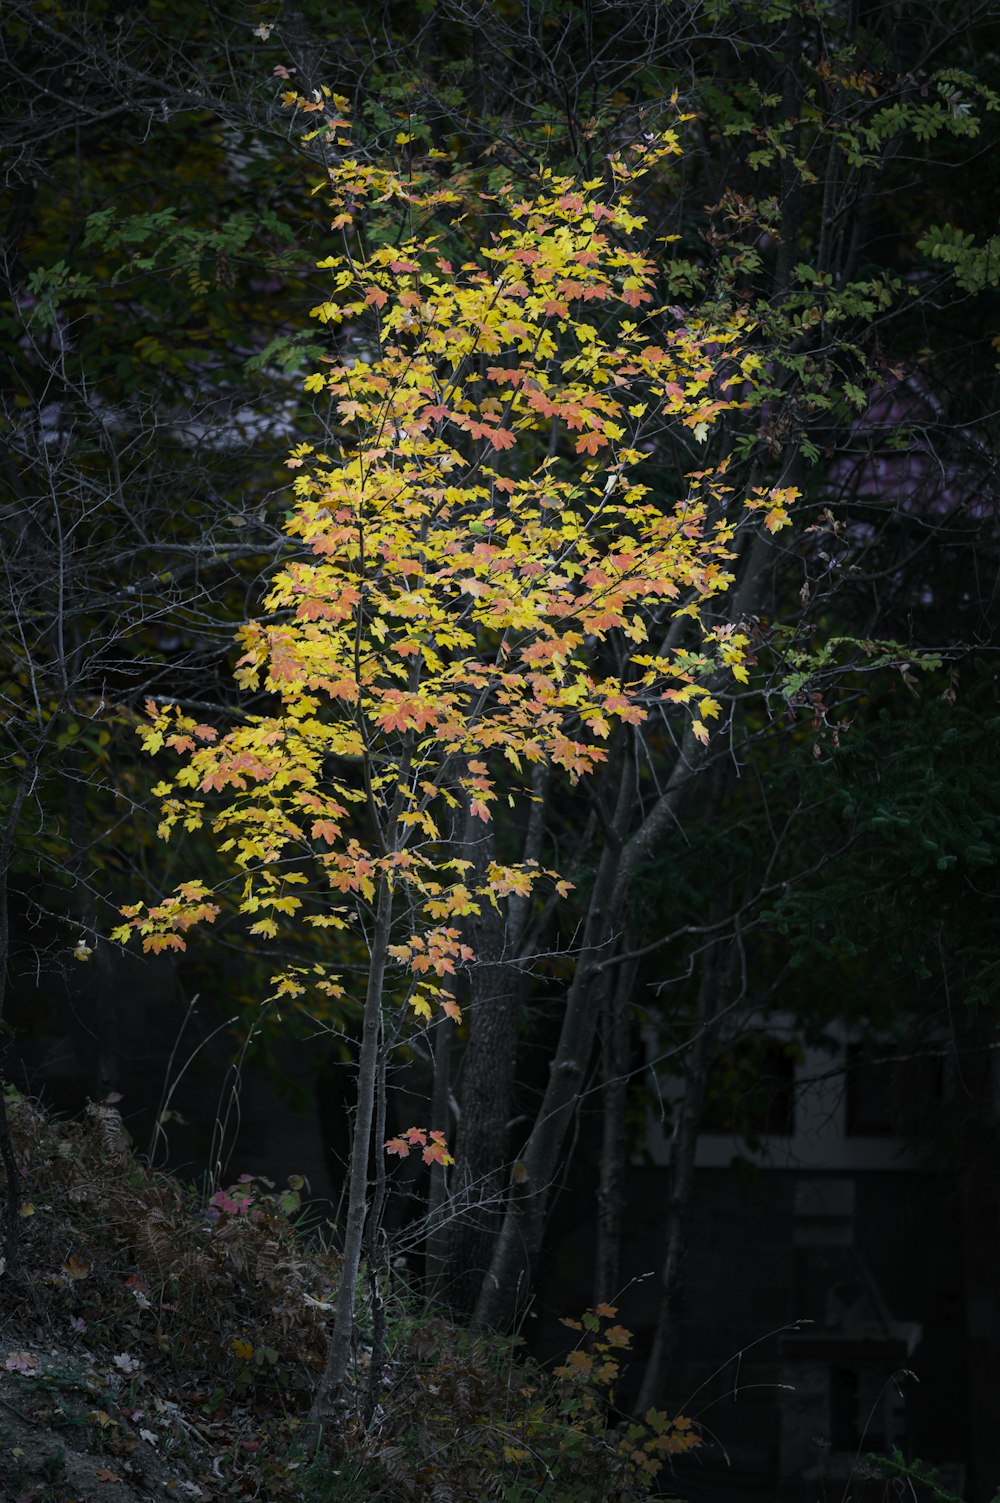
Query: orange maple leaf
325, 829
436, 1151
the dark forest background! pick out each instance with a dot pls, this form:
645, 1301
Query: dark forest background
811, 900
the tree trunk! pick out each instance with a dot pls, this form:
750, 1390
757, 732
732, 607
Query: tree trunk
331, 1384
481, 1152
687, 1129
478, 1182
439, 1195
12, 1175
96, 985
615, 1060
979, 1206
791, 183
517, 1247
376, 1255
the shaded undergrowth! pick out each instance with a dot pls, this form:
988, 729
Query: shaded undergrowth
155, 1344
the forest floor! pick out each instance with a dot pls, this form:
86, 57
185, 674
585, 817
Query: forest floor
152, 1347
157, 1343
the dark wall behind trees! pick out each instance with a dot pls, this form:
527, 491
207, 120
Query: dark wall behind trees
832, 854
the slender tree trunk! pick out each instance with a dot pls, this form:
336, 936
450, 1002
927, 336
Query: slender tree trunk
12, 1189
12, 1174
979, 1210
517, 1246
376, 1255
488, 1068
519, 1242
687, 1129
439, 1196
97, 982
482, 1152
328, 1394
791, 185
615, 1059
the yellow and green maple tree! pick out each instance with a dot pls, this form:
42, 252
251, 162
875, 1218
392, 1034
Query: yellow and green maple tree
461, 553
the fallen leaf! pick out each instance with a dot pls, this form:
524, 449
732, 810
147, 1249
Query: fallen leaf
21, 1362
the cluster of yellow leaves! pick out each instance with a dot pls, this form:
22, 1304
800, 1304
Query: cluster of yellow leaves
774, 504
163, 925
478, 565
591, 1369
648, 1444
597, 1361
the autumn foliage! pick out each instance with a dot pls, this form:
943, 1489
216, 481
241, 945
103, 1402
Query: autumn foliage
481, 525
476, 536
